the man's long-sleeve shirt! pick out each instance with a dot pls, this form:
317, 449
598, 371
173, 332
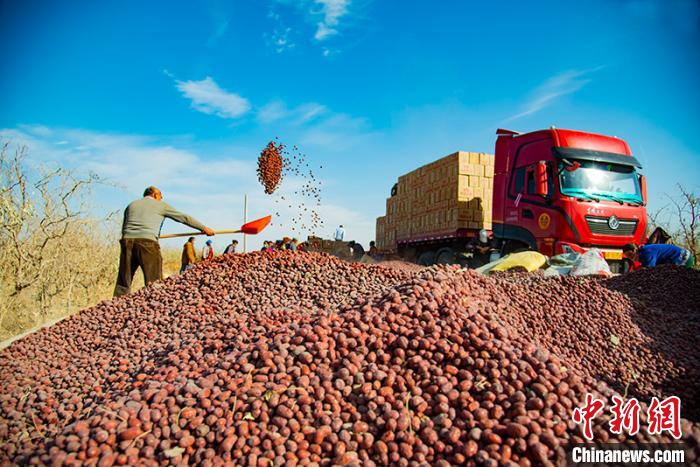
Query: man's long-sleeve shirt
339, 234
144, 218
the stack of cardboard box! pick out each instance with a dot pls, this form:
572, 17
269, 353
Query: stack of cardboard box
451, 193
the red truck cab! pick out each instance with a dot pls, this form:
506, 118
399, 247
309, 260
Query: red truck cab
558, 190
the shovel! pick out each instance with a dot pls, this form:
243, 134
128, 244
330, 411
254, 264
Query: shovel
251, 228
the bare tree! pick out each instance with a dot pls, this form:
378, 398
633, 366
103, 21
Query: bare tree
688, 217
55, 256
658, 218
681, 219
48, 241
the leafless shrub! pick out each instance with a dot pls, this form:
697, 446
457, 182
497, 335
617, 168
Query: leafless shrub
53, 254
56, 257
681, 219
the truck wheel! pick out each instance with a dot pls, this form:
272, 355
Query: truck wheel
427, 258
446, 256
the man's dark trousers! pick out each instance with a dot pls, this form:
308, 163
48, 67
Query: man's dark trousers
138, 253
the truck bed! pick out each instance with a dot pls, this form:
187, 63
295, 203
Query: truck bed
448, 198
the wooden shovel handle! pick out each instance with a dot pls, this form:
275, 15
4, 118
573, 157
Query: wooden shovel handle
192, 234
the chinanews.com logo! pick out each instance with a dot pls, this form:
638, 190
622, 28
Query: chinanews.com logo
618, 454
662, 416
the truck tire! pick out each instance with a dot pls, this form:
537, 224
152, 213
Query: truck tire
426, 258
446, 256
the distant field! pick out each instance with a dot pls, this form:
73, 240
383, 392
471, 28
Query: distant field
24, 315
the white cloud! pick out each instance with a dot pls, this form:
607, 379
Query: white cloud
219, 30
276, 111
42, 130
208, 97
337, 132
210, 188
272, 112
555, 87
332, 11
323, 31
310, 111
220, 13
313, 122
280, 39
324, 15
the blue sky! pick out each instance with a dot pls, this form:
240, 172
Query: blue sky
185, 94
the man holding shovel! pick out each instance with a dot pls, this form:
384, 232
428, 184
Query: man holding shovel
143, 220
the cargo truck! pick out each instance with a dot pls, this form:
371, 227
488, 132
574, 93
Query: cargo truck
552, 191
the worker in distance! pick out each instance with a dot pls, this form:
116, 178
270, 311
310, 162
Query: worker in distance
139, 246
651, 255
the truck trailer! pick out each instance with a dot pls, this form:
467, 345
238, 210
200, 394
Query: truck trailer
551, 191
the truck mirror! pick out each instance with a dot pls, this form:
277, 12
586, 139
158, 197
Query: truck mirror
575, 165
541, 187
643, 187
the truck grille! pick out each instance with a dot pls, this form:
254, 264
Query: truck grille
600, 226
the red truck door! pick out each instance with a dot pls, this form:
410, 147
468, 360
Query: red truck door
528, 210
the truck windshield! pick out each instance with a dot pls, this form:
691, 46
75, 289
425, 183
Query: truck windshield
601, 180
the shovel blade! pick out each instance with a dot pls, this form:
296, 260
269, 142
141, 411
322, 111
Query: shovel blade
256, 226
